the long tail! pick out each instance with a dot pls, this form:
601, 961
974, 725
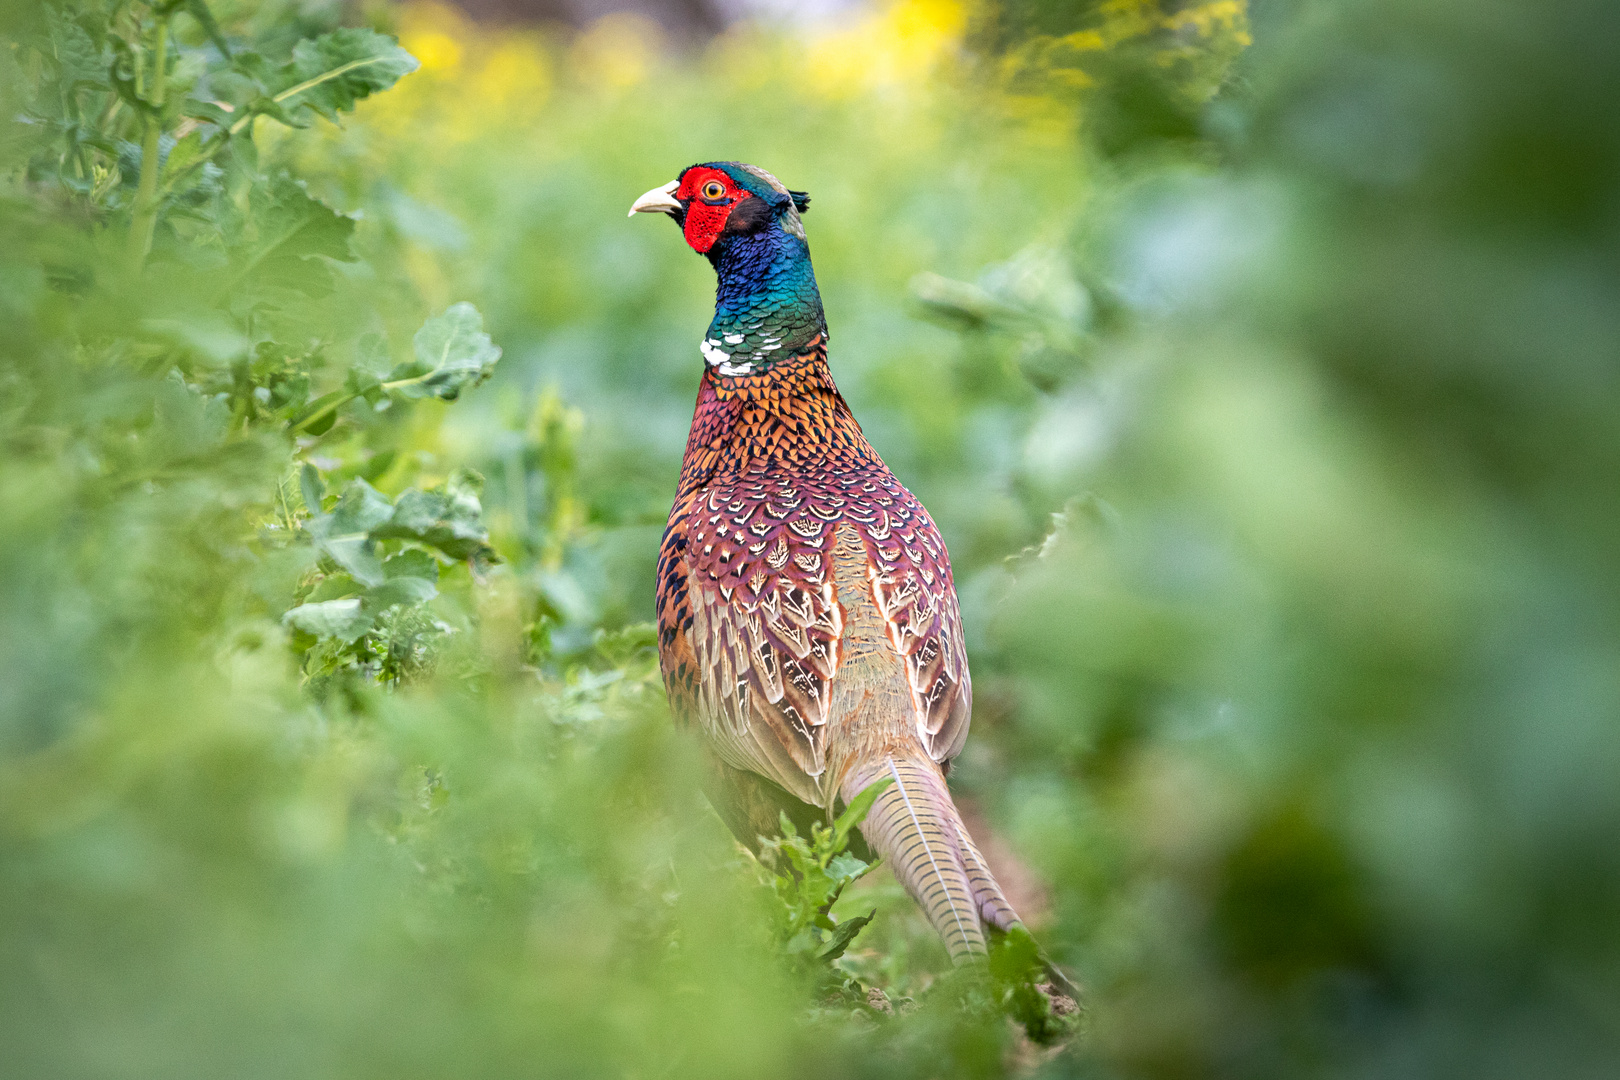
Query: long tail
915, 825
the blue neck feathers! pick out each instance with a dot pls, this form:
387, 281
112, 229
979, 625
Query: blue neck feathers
766, 305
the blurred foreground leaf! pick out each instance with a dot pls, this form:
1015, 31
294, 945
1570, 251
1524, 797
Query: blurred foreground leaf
452, 353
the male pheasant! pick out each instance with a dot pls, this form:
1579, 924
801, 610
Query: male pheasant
806, 616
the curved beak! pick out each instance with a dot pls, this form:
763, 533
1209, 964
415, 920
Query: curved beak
660, 200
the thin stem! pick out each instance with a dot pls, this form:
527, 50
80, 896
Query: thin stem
338, 403
331, 406
144, 220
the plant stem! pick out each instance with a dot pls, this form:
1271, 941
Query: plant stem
144, 220
338, 403
331, 406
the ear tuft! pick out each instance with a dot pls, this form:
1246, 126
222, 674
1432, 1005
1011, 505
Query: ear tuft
801, 200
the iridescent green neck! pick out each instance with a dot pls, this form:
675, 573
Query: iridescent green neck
766, 306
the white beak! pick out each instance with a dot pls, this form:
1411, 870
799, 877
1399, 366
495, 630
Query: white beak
660, 200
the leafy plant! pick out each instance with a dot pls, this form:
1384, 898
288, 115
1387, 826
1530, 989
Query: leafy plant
364, 609
809, 874
1025, 986
152, 133
452, 353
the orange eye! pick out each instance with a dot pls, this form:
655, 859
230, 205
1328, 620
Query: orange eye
714, 189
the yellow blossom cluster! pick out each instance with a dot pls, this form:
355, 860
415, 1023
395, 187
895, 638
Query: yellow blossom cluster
472, 79
899, 45
1195, 41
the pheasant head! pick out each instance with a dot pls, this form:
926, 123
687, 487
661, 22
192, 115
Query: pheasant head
718, 201
767, 307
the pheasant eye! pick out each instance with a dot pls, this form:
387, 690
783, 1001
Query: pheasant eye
714, 189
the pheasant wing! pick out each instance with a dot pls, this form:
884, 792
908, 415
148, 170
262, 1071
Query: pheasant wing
911, 583
749, 628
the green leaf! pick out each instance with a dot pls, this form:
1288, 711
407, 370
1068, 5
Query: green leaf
856, 812
843, 934
360, 509
82, 63
245, 86
371, 356
186, 153
416, 564
344, 535
361, 383
206, 110
354, 553
400, 590
329, 74
845, 868
342, 619
378, 464
284, 238
319, 415
205, 19
452, 353
449, 518
310, 486
334, 587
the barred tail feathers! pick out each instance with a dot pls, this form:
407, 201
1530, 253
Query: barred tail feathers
914, 824
993, 905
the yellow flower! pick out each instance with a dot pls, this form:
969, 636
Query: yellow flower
899, 46
433, 33
1228, 13
438, 52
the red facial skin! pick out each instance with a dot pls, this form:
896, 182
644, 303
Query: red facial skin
705, 222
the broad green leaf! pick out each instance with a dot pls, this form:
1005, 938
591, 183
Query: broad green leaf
334, 587
292, 224
452, 353
284, 238
449, 518
244, 85
400, 590
360, 509
371, 356
356, 555
416, 564
342, 619
345, 534
329, 74
81, 62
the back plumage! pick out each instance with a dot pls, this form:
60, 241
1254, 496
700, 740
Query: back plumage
808, 623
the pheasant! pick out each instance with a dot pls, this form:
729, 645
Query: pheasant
807, 621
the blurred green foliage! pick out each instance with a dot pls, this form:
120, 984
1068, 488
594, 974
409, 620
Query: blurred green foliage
1265, 393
